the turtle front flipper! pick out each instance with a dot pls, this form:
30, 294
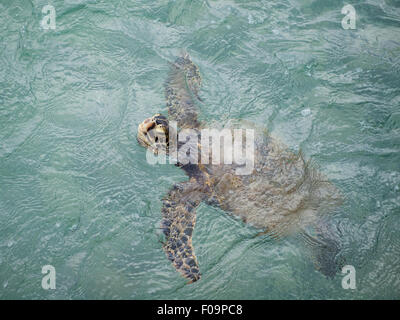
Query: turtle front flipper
182, 85
179, 218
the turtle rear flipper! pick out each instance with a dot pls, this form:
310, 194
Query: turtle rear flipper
179, 218
325, 248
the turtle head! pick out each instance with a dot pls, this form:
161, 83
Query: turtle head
153, 133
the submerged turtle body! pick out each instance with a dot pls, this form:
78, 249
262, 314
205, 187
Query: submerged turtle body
281, 194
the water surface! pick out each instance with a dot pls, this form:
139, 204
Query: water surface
77, 193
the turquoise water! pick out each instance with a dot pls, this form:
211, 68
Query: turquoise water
77, 193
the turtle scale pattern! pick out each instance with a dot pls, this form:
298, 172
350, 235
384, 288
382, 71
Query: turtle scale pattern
283, 193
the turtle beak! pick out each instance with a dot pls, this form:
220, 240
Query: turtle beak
143, 129
153, 133
146, 125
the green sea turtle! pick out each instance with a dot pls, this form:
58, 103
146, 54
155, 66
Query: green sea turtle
283, 192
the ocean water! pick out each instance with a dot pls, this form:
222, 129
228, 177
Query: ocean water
77, 193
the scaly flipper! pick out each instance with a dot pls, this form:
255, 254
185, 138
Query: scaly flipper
324, 246
179, 218
183, 83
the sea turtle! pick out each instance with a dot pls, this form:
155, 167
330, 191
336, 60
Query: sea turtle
282, 193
